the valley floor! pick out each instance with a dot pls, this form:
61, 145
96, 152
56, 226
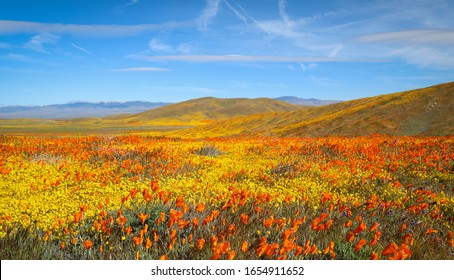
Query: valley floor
143, 197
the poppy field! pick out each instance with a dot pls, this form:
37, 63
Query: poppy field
143, 197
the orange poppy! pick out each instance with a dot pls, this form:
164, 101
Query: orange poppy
88, 244
179, 202
373, 227
244, 218
374, 256
361, 227
231, 255
143, 217
360, 244
148, 243
391, 248
244, 246
350, 236
138, 240
200, 207
200, 243
430, 231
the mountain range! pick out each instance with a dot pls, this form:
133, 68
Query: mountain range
77, 109
427, 111
103, 109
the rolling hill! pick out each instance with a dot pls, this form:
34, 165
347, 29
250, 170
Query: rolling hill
205, 110
427, 111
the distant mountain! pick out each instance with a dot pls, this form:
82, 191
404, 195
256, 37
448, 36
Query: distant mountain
427, 111
205, 110
77, 109
309, 102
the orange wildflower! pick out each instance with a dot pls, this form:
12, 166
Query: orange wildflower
137, 255
268, 222
360, 244
348, 223
361, 227
430, 231
88, 244
244, 246
200, 207
244, 218
376, 238
391, 248
163, 258
148, 243
200, 243
373, 227
403, 227
231, 255
128, 230
78, 217
179, 202
195, 223
143, 217
374, 256
350, 236
138, 240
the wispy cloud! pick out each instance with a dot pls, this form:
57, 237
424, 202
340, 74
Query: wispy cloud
37, 42
80, 48
27, 27
21, 58
239, 58
141, 69
240, 15
121, 7
308, 67
156, 45
423, 48
209, 12
422, 36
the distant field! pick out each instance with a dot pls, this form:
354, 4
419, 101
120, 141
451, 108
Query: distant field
143, 197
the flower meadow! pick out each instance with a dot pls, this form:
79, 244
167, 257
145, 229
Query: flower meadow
142, 197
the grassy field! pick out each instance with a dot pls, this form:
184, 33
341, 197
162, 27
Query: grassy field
145, 197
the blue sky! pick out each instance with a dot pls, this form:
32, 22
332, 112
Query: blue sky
163, 50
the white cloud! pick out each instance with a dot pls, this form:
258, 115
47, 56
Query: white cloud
186, 48
80, 48
282, 13
423, 48
209, 12
236, 12
26, 27
423, 36
336, 50
158, 46
37, 42
309, 66
425, 57
237, 58
119, 8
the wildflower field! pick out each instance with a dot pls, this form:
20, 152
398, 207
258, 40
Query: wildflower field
143, 197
